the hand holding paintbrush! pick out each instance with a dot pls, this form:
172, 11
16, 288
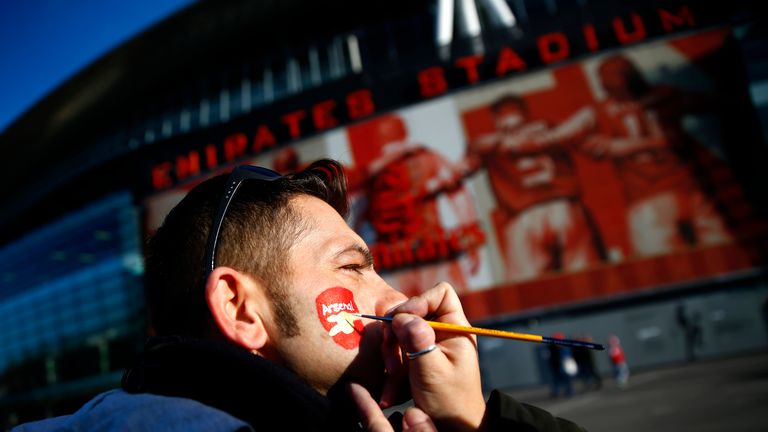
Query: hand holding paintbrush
458, 329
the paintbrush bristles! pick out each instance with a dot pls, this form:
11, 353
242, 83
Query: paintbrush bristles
348, 317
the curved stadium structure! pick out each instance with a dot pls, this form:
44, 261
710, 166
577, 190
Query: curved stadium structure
502, 145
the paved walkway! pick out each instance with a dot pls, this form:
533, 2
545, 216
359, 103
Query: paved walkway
710, 395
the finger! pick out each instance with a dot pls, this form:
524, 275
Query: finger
440, 303
417, 420
395, 389
451, 369
413, 332
373, 419
420, 343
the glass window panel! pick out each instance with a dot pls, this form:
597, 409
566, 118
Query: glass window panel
75, 281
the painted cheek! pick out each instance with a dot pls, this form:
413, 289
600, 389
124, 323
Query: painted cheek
331, 305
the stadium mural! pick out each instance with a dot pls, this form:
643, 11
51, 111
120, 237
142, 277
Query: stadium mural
585, 180
610, 174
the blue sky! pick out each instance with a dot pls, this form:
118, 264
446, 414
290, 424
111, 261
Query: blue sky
44, 42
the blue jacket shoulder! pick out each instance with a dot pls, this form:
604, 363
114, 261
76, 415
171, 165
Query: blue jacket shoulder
117, 411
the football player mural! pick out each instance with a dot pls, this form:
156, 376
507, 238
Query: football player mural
600, 176
640, 128
611, 160
542, 223
414, 209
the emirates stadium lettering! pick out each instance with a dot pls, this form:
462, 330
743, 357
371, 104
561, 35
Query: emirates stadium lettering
194, 156
288, 127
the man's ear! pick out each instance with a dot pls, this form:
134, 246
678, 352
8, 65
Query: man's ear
232, 298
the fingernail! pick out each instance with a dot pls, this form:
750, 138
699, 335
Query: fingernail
352, 387
403, 319
415, 416
392, 309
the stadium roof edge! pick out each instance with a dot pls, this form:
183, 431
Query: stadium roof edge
114, 90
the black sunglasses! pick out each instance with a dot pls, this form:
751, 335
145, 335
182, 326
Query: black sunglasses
236, 178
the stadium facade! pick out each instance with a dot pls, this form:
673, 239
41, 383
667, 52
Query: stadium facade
583, 166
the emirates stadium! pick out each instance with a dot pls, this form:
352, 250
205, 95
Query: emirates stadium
588, 167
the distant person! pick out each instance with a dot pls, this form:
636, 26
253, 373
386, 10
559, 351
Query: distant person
585, 361
619, 362
561, 378
691, 331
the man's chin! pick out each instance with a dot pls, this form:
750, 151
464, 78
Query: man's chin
367, 371
366, 368
373, 383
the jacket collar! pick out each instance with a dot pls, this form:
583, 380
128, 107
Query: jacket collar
231, 379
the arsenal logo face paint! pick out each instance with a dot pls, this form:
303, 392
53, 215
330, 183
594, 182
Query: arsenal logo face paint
332, 305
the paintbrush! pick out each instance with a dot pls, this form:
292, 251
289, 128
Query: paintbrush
458, 329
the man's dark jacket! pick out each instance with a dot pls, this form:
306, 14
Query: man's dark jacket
195, 385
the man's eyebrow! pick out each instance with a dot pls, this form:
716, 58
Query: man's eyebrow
364, 251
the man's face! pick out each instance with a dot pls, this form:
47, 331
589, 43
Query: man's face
331, 274
614, 75
509, 117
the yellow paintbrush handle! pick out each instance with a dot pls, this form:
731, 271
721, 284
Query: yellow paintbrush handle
457, 329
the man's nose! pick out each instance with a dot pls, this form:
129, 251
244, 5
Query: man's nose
388, 298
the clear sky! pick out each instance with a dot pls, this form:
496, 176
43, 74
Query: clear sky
44, 42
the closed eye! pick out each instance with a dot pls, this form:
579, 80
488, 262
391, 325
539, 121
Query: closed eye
355, 258
357, 268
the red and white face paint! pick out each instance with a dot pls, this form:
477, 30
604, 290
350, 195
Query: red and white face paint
332, 304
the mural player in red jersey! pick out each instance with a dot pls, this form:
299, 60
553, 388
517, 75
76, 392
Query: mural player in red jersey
640, 128
419, 217
543, 225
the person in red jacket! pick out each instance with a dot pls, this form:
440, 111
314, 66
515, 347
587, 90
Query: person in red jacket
619, 361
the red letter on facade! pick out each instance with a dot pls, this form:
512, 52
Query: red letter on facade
211, 158
432, 82
235, 146
509, 60
360, 104
469, 64
621, 32
264, 138
187, 166
322, 115
161, 176
590, 36
669, 21
292, 121
553, 47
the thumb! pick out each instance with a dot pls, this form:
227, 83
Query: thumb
417, 420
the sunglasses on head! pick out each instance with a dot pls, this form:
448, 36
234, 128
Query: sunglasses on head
235, 179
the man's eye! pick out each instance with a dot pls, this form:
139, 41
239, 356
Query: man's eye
357, 268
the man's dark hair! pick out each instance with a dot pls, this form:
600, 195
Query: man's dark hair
509, 99
259, 228
636, 85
